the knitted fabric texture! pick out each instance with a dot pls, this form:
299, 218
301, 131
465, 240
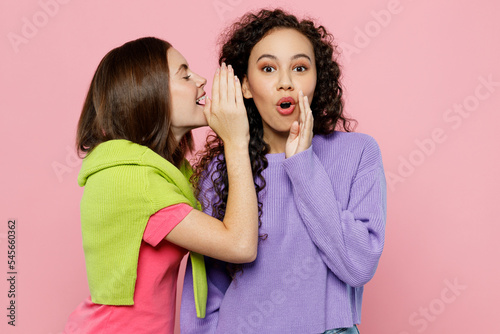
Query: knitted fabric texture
324, 214
125, 183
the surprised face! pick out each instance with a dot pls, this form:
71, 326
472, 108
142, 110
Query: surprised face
280, 66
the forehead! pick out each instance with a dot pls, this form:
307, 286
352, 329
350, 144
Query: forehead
283, 43
175, 59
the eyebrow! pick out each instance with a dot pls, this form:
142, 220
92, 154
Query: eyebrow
182, 67
299, 55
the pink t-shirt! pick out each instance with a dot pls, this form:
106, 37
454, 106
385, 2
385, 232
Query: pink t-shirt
155, 289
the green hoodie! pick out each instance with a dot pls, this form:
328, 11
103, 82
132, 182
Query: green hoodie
125, 183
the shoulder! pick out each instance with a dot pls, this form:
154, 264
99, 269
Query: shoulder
107, 156
359, 150
347, 140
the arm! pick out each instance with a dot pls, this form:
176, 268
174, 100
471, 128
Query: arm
350, 240
235, 238
218, 279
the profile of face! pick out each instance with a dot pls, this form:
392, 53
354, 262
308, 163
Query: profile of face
187, 95
280, 65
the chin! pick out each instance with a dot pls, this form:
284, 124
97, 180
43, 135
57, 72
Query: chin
200, 121
282, 129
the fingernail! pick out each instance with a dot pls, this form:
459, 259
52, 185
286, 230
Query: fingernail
301, 93
217, 70
229, 67
236, 78
223, 65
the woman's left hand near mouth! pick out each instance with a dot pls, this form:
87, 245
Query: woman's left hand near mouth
301, 132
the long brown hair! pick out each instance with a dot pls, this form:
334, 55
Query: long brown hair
129, 98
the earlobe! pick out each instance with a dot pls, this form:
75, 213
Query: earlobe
245, 89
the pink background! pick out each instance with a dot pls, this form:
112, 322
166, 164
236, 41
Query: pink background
409, 66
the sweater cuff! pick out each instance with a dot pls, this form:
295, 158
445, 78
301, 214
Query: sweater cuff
300, 163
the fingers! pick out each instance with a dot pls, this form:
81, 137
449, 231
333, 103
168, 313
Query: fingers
309, 120
301, 131
302, 114
226, 88
223, 83
294, 131
206, 109
230, 85
302, 111
215, 88
293, 140
239, 94
306, 126
226, 114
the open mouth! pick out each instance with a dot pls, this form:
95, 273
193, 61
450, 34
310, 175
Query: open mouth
201, 100
286, 105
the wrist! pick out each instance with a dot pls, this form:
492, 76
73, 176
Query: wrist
236, 147
236, 144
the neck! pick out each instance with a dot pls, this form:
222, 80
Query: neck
179, 133
276, 141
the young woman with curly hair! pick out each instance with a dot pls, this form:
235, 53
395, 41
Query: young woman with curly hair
321, 190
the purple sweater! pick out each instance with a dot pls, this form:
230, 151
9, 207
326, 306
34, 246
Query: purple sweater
324, 212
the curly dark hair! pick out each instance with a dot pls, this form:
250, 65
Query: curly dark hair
327, 106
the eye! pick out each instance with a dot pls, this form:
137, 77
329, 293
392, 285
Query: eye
300, 68
187, 77
268, 69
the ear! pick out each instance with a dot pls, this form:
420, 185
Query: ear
245, 88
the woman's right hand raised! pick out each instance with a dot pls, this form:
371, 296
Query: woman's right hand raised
235, 239
226, 113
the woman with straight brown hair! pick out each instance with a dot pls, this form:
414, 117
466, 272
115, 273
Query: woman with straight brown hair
137, 211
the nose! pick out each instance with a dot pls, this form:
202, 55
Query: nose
285, 81
200, 81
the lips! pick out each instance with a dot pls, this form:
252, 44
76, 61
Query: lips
201, 99
286, 105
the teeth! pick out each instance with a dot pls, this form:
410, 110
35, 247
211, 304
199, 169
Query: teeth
201, 98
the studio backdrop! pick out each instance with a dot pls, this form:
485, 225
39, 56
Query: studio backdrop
422, 77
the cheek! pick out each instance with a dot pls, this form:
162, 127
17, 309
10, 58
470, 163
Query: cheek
262, 93
173, 119
259, 86
308, 86
174, 96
